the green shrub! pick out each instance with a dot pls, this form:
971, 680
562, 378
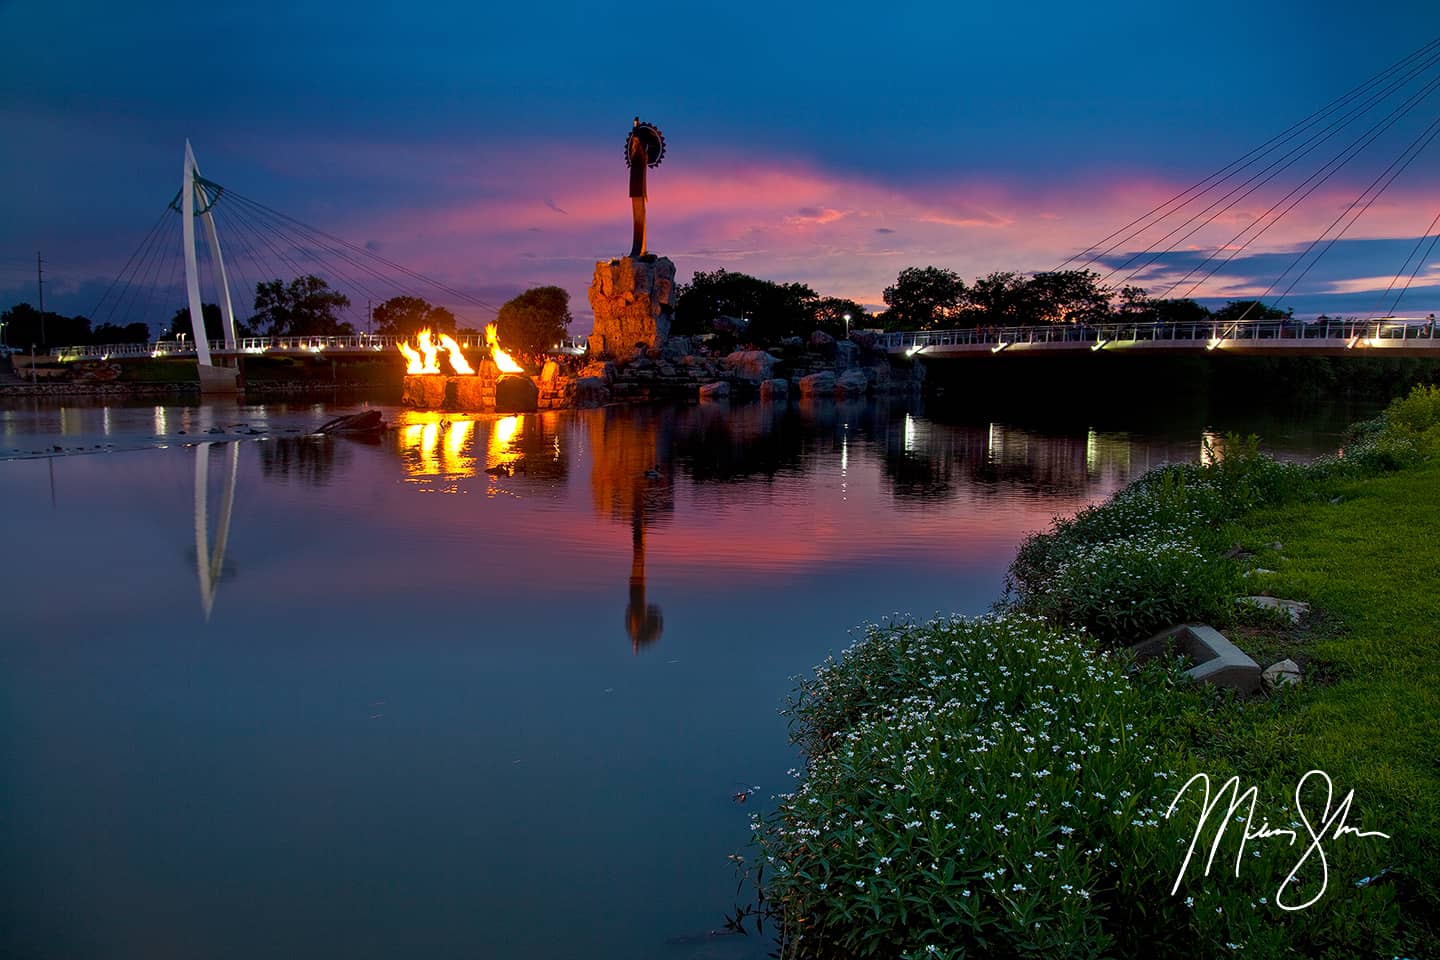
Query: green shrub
1418, 412
1124, 590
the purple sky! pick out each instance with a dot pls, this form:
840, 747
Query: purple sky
831, 144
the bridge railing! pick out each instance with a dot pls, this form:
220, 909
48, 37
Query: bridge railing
1384, 328
260, 345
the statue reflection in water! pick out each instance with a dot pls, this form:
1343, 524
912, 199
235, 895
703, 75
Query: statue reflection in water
631, 482
643, 621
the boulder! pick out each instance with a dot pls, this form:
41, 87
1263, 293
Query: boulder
424, 390
729, 326
1292, 609
470, 392
817, 384
591, 392
516, 394
550, 371
1281, 674
852, 383
676, 349
821, 340
847, 355
774, 389
752, 365
719, 390
865, 341
604, 370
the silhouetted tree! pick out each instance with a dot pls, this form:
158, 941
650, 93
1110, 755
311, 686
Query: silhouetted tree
24, 326
773, 310
407, 316
997, 299
1065, 296
1249, 310
306, 307
534, 321
830, 314
112, 333
1179, 311
923, 298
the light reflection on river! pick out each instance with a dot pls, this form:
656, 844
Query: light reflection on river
484, 687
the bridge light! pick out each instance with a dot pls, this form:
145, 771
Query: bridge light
1212, 343
1098, 344
1001, 345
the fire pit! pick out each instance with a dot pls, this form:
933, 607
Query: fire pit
500, 384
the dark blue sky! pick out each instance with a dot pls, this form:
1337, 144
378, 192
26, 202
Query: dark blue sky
828, 143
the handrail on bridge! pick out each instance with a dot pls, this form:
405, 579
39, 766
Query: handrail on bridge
355, 343
1212, 333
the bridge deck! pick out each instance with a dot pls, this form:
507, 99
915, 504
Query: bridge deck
1394, 336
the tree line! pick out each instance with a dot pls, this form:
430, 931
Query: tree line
933, 298
306, 306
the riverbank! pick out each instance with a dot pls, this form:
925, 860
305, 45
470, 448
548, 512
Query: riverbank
960, 798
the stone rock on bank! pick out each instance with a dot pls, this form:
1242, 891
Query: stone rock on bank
752, 365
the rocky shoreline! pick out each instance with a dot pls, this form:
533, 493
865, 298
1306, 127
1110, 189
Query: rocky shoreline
680, 370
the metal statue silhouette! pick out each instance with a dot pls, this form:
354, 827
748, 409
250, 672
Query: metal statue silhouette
644, 147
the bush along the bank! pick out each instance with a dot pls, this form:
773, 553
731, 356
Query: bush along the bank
998, 788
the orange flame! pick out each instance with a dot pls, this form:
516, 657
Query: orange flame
457, 359
501, 358
430, 350
424, 360
413, 363
427, 358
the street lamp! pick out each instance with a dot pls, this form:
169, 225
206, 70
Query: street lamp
847, 326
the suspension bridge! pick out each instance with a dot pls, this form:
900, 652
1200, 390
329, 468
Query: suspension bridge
1389, 336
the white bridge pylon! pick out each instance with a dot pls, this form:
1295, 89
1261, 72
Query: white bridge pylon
197, 197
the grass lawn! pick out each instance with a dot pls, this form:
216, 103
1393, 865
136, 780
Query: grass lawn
1369, 713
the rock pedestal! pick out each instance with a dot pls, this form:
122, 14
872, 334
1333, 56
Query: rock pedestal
633, 299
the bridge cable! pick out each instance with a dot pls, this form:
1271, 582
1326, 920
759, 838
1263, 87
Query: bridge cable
152, 279
1335, 164
1417, 147
123, 269
342, 254
1240, 163
299, 242
119, 310
253, 233
1264, 176
247, 248
477, 301
296, 238
1418, 265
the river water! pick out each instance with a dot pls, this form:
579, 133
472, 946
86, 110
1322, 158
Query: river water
267, 695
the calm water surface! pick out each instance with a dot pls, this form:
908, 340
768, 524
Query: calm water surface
264, 695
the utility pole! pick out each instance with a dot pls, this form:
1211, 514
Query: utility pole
40, 283
368, 328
